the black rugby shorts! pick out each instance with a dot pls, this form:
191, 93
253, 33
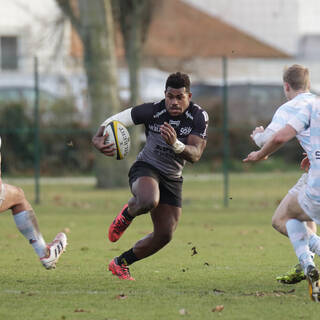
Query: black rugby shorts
170, 189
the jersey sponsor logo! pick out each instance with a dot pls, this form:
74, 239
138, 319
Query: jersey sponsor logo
158, 114
188, 115
154, 127
166, 153
174, 123
184, 131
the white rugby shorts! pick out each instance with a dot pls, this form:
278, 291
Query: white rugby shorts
301, 183
310, 207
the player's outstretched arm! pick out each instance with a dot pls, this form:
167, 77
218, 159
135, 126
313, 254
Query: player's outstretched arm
277, 140
98, 141
260, 136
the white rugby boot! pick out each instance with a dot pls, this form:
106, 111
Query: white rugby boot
56, 248
313, 283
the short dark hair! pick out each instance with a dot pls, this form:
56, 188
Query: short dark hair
178, 80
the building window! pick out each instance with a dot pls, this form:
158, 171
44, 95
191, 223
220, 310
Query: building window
9, 52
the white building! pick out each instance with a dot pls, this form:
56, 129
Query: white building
280, 23
36, 28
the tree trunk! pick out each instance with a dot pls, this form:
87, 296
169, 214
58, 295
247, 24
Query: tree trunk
134, 18
95, 27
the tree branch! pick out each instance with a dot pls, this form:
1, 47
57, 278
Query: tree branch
67, 9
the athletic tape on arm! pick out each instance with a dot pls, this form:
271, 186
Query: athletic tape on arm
178, 146
124, 117
261, 138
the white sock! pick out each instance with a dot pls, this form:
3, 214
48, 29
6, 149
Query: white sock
299, 238
314, 243
26, 223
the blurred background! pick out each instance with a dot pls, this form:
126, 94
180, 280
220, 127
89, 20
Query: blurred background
66, 65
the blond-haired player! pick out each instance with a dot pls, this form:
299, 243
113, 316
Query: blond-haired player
296, 85
305, 205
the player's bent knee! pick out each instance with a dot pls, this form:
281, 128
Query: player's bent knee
164, 237
274, 224
146, 205
19, 193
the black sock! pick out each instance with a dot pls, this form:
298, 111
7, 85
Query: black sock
127, 258
126, 214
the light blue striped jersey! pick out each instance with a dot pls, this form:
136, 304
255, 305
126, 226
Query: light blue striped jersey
308, 118
288, 110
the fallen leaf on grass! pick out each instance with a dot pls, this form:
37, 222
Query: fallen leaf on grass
121, 296
218, 308
80, 310
194, 251
217, 291
183, 312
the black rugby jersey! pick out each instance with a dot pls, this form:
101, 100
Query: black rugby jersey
156, 151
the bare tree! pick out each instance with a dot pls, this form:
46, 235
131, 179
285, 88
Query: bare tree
93, 20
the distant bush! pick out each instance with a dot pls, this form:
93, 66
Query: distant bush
65, 142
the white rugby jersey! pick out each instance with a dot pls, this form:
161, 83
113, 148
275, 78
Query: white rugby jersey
288, 110
308, 118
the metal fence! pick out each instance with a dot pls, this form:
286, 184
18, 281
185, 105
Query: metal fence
53, 138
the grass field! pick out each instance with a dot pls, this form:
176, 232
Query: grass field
238, 257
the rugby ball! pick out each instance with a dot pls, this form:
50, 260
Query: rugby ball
119, 135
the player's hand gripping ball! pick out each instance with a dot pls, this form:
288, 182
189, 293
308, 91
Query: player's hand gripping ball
119, 135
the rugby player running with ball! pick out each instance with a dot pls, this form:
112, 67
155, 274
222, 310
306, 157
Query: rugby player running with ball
176, 132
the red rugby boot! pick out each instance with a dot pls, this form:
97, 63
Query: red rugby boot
121, 271
118, 226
